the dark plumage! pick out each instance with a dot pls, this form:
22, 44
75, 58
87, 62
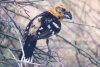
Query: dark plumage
41, 27
49, 25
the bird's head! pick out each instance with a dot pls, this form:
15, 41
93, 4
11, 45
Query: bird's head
60, 12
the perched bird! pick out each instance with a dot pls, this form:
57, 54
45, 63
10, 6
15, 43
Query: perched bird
42, 27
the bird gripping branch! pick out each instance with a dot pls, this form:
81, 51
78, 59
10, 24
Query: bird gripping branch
42, 27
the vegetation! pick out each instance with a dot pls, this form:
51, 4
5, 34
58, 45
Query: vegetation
77, 45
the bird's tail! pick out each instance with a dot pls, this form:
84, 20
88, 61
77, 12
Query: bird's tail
28, 48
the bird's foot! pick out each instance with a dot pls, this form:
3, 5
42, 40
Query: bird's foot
27, 60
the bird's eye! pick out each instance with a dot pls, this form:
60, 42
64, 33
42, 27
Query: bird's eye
63, 10
60, 10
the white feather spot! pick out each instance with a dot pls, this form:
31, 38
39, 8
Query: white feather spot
55, 25
49, 26
53, 33
40, 28
50, 30
27, 27
39, 33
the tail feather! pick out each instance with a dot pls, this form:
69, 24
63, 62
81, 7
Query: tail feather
28, 48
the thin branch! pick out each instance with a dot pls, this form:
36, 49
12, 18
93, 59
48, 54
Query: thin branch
12, 20
12, 49
8, 35
19, 2
82, 52
18, 14
82, 24
14, 57
77, 57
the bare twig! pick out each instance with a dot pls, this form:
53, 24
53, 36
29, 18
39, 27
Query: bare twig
19, 2
12, 20
12, 49
83, 24
82, 52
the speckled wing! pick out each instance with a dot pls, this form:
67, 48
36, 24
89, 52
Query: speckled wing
49, 27
33, 27
43, 26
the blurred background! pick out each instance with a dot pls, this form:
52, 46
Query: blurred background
77, 44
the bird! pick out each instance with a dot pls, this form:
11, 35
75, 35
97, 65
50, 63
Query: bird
43, 26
